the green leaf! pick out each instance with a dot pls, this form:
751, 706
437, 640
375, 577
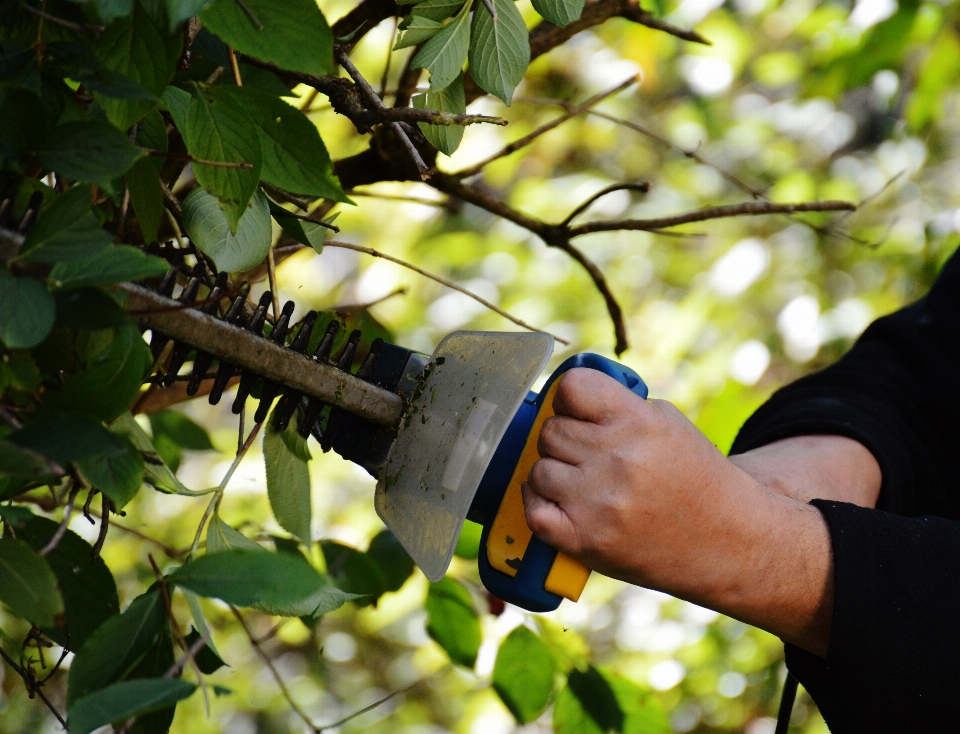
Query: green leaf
597, 702
353, 571
27, 585
155, 664
65, 438
393, 561
181, 429
523, 674
453, 622
116, 363
66, 229
499, 49
222, 537
146, 197
288, 479
468, 544
79, 63
87, 150
209, 230
437, 10
177, 101
199, 621
27, 469
418, 30
445, 138
207, 660
156, 472
88, 309
274, 583
444, 54
120, 701
219, 129
27, 311
559, 12
118, 475
311, 234
294, 34
294, 157
141, 48
111, 265
109, 9
24, 121
88, 590
117, 646
181, 10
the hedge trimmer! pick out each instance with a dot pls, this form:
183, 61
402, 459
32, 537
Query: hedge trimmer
449, 437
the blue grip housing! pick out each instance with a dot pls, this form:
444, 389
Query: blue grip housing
526, 589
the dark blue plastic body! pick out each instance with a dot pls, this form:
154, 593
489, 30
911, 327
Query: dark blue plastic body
526, 588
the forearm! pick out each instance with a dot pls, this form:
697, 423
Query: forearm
815, 467
764, 558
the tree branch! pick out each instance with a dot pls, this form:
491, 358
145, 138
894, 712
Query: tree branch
442, 281
711, 212
643, 187
371, 96
527, 139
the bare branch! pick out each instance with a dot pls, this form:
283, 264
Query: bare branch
273, 670
375, 704
93, 31
443, 281
527, 139
349, 308
371, 96
105, 506
441, 204
643, 187
62, 528
711, 212
199, 161
32, 687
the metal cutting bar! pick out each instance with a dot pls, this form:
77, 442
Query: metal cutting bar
261, 356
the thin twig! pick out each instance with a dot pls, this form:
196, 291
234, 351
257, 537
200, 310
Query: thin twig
643, 187
442, 204
386, 64
711, 212
278, 193
10, 419
273, 670
234, 67
302, 218
272, 278
198, 161
57, 536
177, 631
85, 28
349, 308
253, 19
443, 281
527, 139
32, 687
372, 98
105, 506
218, 495
375, 704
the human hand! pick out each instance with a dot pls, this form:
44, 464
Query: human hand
635, 491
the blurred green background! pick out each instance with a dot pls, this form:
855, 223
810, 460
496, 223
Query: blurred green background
798, 100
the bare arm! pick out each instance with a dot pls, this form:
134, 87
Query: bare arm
815, 467
635, 491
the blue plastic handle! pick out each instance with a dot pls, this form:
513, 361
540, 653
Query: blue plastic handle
526, 588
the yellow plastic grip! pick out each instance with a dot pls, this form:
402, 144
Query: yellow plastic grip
510, 535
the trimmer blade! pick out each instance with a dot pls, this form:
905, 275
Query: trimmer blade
446, 440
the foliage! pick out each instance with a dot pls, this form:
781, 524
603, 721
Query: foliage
124, 123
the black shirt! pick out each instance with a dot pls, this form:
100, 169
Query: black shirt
893, 663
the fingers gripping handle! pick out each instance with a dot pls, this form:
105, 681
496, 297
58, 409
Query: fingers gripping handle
515, 565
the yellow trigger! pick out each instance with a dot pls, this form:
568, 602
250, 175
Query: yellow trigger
509, 535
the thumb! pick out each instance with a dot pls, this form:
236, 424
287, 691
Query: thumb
589, 395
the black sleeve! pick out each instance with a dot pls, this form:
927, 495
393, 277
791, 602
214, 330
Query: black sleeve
897, 391
893, 663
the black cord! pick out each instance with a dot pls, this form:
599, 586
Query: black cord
786, 704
